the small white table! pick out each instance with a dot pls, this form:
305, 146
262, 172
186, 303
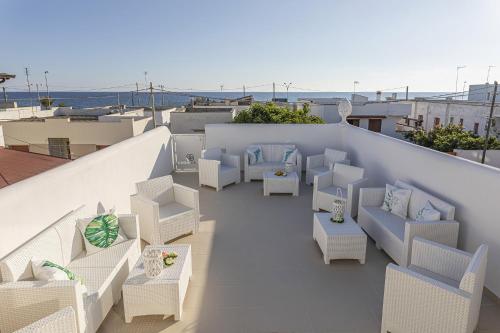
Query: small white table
281, 184
163, 294
339, 240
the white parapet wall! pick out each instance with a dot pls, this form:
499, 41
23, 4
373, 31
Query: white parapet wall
492, 157
105, 178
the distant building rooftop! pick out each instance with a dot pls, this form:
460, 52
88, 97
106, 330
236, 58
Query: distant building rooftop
17, 165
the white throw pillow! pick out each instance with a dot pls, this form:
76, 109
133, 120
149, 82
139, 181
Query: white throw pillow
396, 200
101, 232
46, 270
428, 213
255, 155
289, 155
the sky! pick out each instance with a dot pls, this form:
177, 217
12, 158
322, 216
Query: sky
320, 45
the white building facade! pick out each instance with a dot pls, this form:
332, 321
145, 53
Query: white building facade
472, 116
381, 117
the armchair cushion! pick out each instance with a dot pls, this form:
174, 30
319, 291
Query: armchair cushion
320, 169
435, 276
333, 190
396, 200
173, 209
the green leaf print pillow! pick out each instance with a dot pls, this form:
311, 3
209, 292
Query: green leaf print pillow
101, 232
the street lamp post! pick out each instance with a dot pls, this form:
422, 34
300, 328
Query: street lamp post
456, 81
463, 90
354, 90
287, 86
46, 84
489, 69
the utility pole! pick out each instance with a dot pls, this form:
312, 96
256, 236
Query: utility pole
406, 92
221, 88
38, 94
489, 122
152, 98
354, 90
29, 87
4, 95
274, 91
463, 90
456, 81
287, 86
137, 93
118, 97
133, 104
244, 91
162, 95
46, 84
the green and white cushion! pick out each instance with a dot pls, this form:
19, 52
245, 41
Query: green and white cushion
255, 155
101, 232
46, 270
428, 213
396, 200
289, 155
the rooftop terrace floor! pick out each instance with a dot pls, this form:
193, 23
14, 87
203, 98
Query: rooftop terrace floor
256, 268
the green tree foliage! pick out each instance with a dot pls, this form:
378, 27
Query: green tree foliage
270, 113
451, 137
46, 101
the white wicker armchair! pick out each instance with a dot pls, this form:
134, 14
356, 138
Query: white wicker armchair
440, 291
349, 179
62, 321
218, 169
166, 210
317, 164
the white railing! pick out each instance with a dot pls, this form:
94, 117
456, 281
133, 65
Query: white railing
187, 150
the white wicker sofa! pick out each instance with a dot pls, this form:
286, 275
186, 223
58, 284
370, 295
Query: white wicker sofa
272, 154
394, 234
62, 321
24, 300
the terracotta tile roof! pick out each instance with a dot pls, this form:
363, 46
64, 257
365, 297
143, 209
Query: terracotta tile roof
17, 165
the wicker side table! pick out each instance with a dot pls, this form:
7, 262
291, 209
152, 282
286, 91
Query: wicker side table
339, 240
280, 184
163, 294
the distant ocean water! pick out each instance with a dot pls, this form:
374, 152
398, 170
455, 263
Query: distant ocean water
79, 99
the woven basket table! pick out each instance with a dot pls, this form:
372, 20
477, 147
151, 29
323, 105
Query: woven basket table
162, 295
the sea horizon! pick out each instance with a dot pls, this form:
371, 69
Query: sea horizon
88, 99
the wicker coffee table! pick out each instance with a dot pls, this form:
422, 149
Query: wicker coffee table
339, 240
163, 294
281, 184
